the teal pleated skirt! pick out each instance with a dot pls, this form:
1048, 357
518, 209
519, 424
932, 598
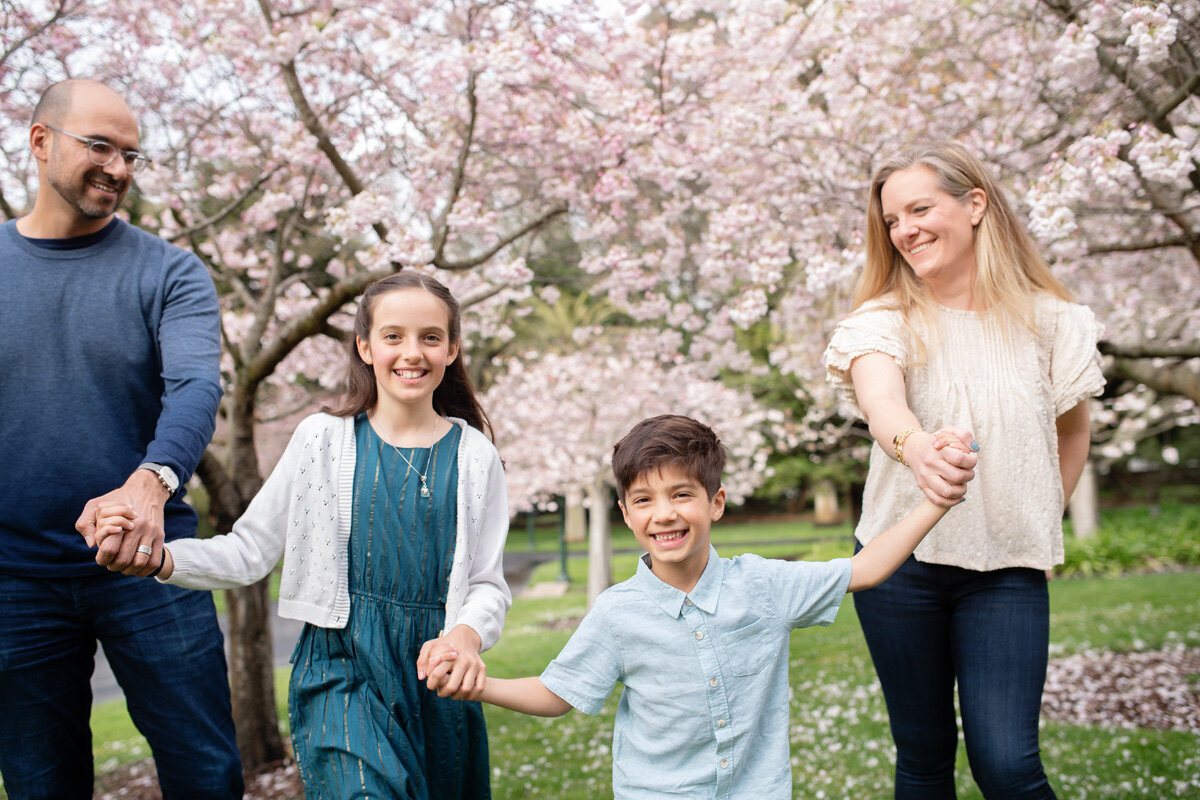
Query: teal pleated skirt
363, 726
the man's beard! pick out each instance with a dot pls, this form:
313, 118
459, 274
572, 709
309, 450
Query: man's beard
76, 194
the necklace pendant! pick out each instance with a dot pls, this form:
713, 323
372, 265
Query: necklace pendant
424, 489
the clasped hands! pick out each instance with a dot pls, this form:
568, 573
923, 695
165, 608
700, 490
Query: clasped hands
120, 522
451, 665
942, 462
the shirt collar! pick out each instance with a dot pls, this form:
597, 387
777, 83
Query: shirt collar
703, 595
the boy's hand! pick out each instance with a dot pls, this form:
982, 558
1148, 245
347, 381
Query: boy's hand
451, 665
957, 439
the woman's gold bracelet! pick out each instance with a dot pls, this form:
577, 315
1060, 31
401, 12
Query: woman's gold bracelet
898, 443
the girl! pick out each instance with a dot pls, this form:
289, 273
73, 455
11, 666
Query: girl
390, 514
958, 320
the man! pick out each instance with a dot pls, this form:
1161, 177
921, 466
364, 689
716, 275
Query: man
109, 350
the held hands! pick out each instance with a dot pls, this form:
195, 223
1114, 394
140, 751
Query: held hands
124, 523
451, 666
942, 462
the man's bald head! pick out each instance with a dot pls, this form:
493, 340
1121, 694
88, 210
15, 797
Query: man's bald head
60, 98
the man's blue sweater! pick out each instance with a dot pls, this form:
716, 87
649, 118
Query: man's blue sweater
109, 356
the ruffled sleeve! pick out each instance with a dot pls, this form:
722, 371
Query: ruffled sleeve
1075, 370
871, 329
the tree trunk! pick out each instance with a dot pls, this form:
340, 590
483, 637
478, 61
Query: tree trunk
599, 541
825, 502
252, 674
576, 519
1084, 505
231, 483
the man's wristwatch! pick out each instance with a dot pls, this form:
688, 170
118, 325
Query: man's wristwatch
166, 476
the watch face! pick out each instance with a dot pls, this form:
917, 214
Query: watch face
169, 478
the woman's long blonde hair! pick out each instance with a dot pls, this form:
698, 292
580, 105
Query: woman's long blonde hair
1009, 270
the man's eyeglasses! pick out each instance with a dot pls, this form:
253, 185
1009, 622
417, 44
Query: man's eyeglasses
102, 153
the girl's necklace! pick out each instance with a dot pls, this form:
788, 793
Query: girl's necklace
424, 484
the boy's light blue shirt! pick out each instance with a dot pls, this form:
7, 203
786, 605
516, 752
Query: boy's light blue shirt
704, 713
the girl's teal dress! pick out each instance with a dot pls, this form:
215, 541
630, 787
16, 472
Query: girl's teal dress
363, 726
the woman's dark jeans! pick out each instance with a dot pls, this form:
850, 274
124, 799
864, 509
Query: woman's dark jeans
930, 626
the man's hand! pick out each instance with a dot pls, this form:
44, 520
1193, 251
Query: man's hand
119, 551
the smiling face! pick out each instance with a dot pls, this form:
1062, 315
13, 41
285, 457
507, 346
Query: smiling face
409, 348
933, 231
671, 515
80, 195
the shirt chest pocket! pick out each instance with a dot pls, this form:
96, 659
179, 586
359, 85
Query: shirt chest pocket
747, 650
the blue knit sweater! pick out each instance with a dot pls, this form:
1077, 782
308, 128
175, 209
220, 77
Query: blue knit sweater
109, 356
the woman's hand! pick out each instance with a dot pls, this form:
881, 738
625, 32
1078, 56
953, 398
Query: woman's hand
451, 665
942, 463
941, 471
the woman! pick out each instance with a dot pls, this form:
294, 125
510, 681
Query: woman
958, 321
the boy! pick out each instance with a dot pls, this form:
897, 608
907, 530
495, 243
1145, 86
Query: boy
699, 642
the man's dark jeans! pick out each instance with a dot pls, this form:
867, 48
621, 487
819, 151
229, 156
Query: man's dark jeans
166, 651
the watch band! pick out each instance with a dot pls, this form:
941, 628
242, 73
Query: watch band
166, 476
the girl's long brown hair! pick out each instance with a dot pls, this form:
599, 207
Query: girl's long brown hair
453, 397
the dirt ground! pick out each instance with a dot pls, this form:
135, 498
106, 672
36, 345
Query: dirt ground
1157, 689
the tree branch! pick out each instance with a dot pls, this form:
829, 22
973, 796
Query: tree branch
1173, 379
312, 123
479, 295
300, 328
475, 261
5, 208
224, 501
334, 332
1137, 247
229, 208
1191, 350
441, 225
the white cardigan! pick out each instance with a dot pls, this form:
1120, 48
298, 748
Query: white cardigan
302, 514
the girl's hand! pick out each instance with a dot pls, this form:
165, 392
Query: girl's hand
114, 519
942, 462
451, 665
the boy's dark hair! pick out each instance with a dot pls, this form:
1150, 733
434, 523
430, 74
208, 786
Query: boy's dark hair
669, 440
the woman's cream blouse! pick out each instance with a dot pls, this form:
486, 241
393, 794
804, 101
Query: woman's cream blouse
1007, 386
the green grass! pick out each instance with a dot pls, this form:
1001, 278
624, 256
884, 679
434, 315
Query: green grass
841, 745
840, 740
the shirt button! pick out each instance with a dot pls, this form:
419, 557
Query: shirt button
720, 723
712, 682
724, 763
687, 601
699, 634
